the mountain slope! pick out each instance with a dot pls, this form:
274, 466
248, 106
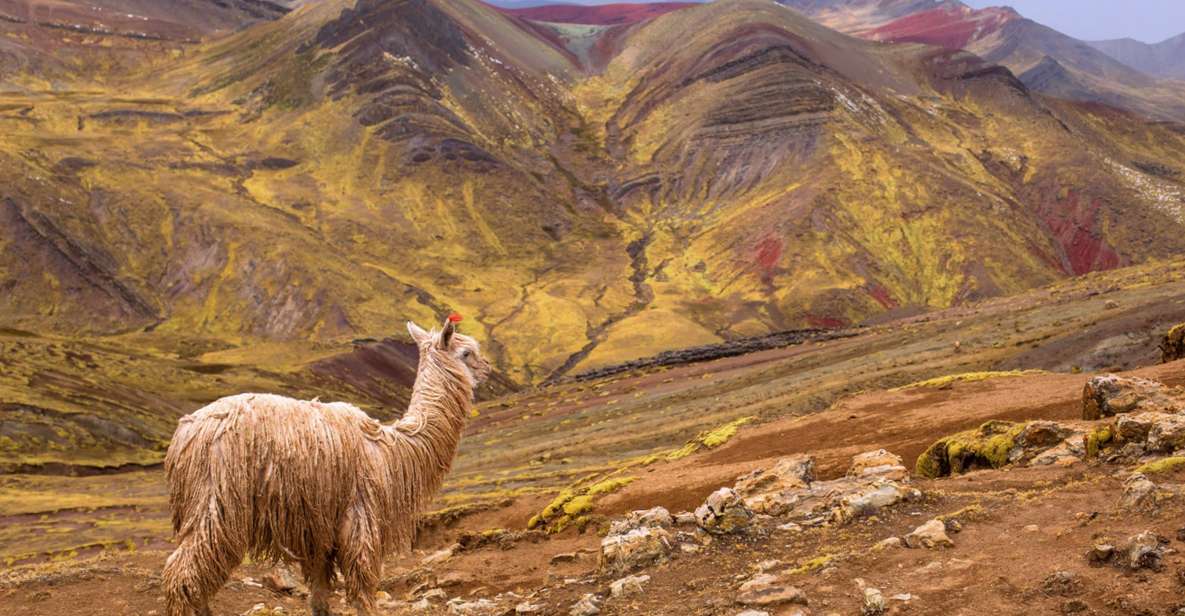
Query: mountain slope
1003, 36
1164, 59
727, 170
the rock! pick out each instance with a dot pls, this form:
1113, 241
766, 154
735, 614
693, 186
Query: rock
1100, 553
767, 589
1031, 528
867, 501
588, 605
1135, 427
1062, 584
1172, 347
434, 595
891, 542
1139, 493
260, 609
441, 555
790, 527
685, 518
879, 463
723, 512
768, 565
1167, 433
1073, 606
753, 613
1104, 396
281, 580
639, 547
1042, 435
932, 534
563, 557
1145, 551
526, 607
478, 607
791, 472
656, 517
629, 585
874, 603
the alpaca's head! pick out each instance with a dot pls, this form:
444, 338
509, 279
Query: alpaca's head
453, 348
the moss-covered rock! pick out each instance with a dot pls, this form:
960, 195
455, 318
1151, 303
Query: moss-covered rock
988, 446
1172, 347
1098, 439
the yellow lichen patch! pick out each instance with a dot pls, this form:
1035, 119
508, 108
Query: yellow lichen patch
721, 435
814, 564
1163, 465
576, 502
943, 382
1098, 439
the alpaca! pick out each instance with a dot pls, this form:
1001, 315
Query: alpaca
318, 484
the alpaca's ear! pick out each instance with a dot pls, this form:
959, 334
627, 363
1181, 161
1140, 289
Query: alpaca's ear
446, 335
417, 333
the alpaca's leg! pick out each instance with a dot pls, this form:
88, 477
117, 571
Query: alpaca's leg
190, 579
199, 566
319, 576
360, 559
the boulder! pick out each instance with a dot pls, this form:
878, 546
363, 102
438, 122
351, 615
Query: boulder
788, 473
634, 548
879, 463
588, 605
867, 501
1062, 584
767, 589
628, 585
1042, 435
1172, 347
1139, 493
1167, 433
874, 603
1134, 427
281, 580
930, 535
1146, 551
1104, 396
1100, 553
656, 517
477, 607
723, 512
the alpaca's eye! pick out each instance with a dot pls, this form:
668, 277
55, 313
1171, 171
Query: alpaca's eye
465, 353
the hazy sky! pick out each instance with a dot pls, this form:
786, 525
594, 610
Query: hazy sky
1150, 21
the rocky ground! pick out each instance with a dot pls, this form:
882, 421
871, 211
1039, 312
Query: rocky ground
1081, 516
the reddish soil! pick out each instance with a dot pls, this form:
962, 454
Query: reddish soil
1045, 518
950, 28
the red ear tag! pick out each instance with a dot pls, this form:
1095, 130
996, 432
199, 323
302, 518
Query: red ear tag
454, 318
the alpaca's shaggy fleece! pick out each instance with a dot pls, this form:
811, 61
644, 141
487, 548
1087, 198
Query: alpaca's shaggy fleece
320, 484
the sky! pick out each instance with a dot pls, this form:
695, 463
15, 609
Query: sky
1150, 21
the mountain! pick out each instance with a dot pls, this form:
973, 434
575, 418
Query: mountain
597, 14
1164, 59
254, 206
1001, 35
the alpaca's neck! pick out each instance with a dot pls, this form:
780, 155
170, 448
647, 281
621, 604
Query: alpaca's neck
427, 435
